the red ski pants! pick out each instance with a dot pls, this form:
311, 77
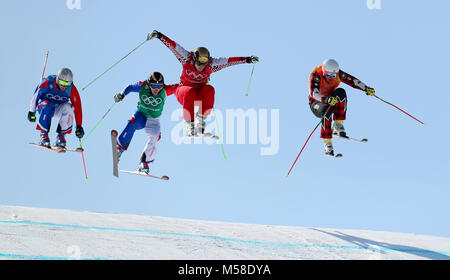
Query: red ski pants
189, 97
338, 111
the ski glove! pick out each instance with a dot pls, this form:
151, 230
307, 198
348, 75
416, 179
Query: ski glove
154, 34
119, 97
370, 91
252, 59
32, 116
79, 132
331, 100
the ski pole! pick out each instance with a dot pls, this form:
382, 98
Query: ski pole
304, 145
251, 76
84, 163
220, 134
114, 64
399, 109
95, 126
45, 65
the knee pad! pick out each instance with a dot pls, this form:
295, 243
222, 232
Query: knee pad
340, 94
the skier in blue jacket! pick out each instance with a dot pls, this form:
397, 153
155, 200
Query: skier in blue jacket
56, 96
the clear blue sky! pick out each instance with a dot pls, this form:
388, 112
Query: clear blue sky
398, 181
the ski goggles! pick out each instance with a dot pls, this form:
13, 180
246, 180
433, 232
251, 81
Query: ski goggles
156, 86
64, 83
203, 59
331, 75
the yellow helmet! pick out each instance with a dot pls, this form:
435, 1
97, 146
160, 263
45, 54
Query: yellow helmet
201, 55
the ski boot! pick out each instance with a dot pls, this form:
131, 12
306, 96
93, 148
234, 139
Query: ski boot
45, 140
120, 150
190, 129
338, 129
143, 167
329, 151
200, 123
61, 141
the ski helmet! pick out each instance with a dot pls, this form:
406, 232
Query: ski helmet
156, 80
330, 68
65, 75
201, 55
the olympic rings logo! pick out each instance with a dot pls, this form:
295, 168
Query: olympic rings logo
195, 76
150, 100
55, 97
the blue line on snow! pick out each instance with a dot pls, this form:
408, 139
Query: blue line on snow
41, 258
251, 242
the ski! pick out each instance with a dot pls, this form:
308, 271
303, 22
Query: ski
77, 149
136, 172
352, 139
210, 135
206, 135
114, 135
54, 149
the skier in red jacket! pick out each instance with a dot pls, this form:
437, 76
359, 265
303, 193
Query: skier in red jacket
324, 92
193, 88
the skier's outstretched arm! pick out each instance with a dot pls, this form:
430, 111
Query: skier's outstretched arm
130, 88
180, 53
351, 81
355, 83
223, 62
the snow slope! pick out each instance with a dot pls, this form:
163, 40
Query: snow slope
36, 233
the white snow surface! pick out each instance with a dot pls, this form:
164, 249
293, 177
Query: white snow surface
47, 234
